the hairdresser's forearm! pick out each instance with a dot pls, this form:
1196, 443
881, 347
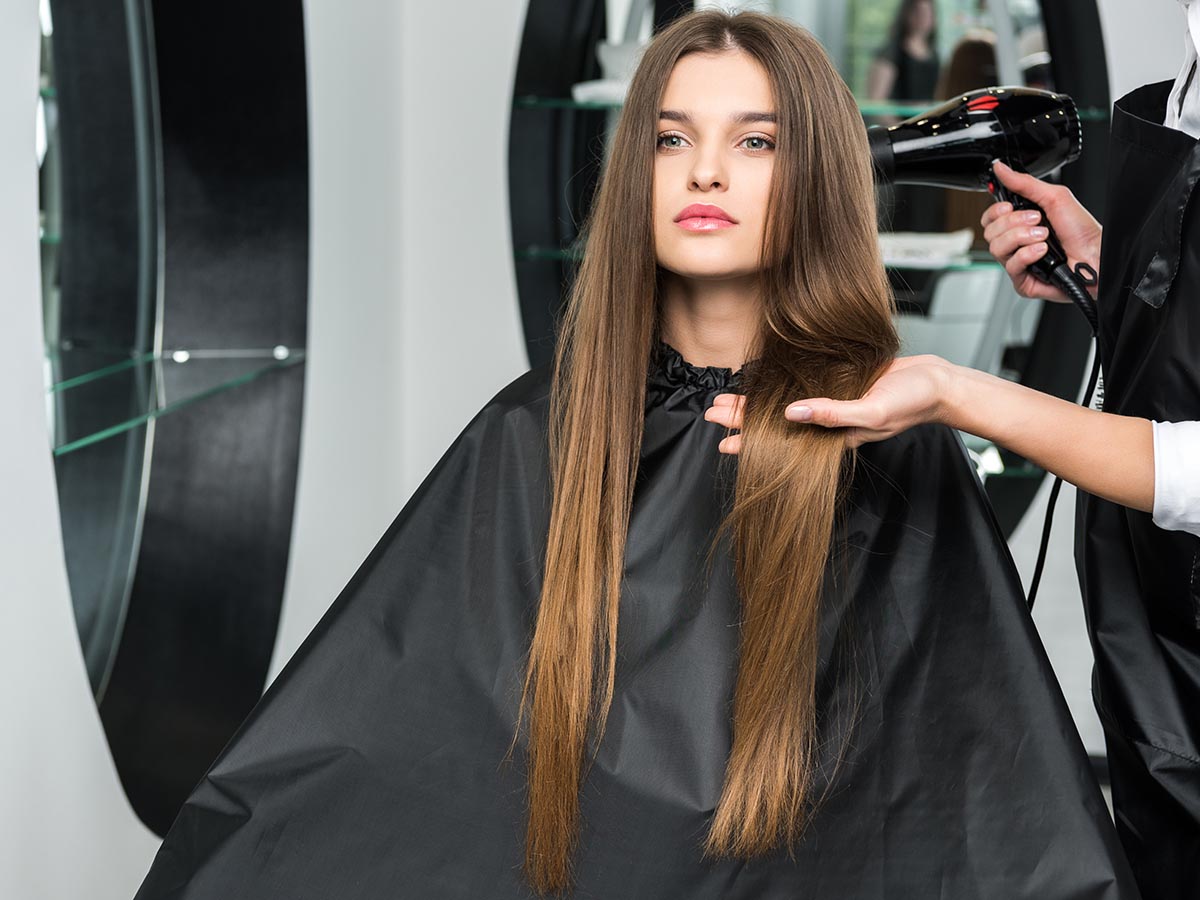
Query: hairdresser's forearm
1106, 455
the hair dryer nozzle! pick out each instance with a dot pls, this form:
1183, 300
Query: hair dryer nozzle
954, 144
881, 154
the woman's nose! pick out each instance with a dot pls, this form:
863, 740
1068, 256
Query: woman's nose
708, 172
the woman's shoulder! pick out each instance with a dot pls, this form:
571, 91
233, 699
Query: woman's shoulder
523, 404
528, 390
891, 52
519, 410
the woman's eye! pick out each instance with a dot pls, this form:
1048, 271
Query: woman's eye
763, 143
757, 143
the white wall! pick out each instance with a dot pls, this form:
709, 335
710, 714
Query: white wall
414, 322
350, 480
461, 324
1144, 40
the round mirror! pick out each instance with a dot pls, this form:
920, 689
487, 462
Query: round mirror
173, 166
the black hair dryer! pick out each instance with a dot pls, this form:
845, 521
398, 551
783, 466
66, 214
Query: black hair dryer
953, 146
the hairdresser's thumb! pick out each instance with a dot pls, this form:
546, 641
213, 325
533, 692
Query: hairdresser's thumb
1026, 185
825, 412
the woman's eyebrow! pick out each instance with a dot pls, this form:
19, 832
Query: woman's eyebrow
741, 118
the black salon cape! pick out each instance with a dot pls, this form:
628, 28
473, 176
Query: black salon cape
1141, 584
374, 765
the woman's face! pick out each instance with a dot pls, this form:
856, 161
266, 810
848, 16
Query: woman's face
715, 148
921, 18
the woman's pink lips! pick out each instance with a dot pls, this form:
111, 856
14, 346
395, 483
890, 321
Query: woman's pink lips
703, 223
703, 217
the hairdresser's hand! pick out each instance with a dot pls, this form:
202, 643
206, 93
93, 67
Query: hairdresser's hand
912, 390
1018, 238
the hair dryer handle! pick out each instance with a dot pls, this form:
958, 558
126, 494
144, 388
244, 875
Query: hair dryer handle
1055, 255
1052, 268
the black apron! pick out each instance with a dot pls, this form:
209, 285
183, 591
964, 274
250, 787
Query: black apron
1141, 584
374, 767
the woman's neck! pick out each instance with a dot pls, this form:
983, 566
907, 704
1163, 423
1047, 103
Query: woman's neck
917, 46
711, 323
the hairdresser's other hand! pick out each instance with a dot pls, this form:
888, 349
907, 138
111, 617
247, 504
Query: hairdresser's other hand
1017, 238
912, 390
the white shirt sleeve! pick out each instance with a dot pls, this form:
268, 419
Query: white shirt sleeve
1177, 476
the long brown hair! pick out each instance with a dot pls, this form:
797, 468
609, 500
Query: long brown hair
826, 330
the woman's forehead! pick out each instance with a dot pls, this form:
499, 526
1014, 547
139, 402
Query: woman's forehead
718, 85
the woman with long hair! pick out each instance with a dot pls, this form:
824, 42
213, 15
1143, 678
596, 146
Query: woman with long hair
593, 655
906, 67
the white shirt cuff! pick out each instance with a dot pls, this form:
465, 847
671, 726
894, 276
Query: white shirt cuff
1177, 476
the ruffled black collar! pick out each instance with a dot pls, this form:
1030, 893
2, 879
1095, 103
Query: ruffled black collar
670, 367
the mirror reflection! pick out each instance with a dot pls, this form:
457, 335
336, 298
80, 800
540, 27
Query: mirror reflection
901, 57
96, 229
907, 66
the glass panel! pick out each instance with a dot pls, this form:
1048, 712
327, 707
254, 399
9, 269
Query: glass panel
969, 260
97, 231
534, 252
990, 464
100, 493
97, 394
868, 107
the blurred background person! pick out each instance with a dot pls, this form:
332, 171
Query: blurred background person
907, 66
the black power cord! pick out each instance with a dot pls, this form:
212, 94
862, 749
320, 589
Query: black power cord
1074, 285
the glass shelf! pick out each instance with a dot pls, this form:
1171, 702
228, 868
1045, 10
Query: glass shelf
893, 108
536, 252
976, 259
989, 462
971, 261
866, 107
529, 101
96, 393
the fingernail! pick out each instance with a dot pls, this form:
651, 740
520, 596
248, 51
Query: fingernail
799, 413
1038, 232
1033, 216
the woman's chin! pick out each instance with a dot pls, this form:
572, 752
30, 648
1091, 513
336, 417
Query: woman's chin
709, 267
